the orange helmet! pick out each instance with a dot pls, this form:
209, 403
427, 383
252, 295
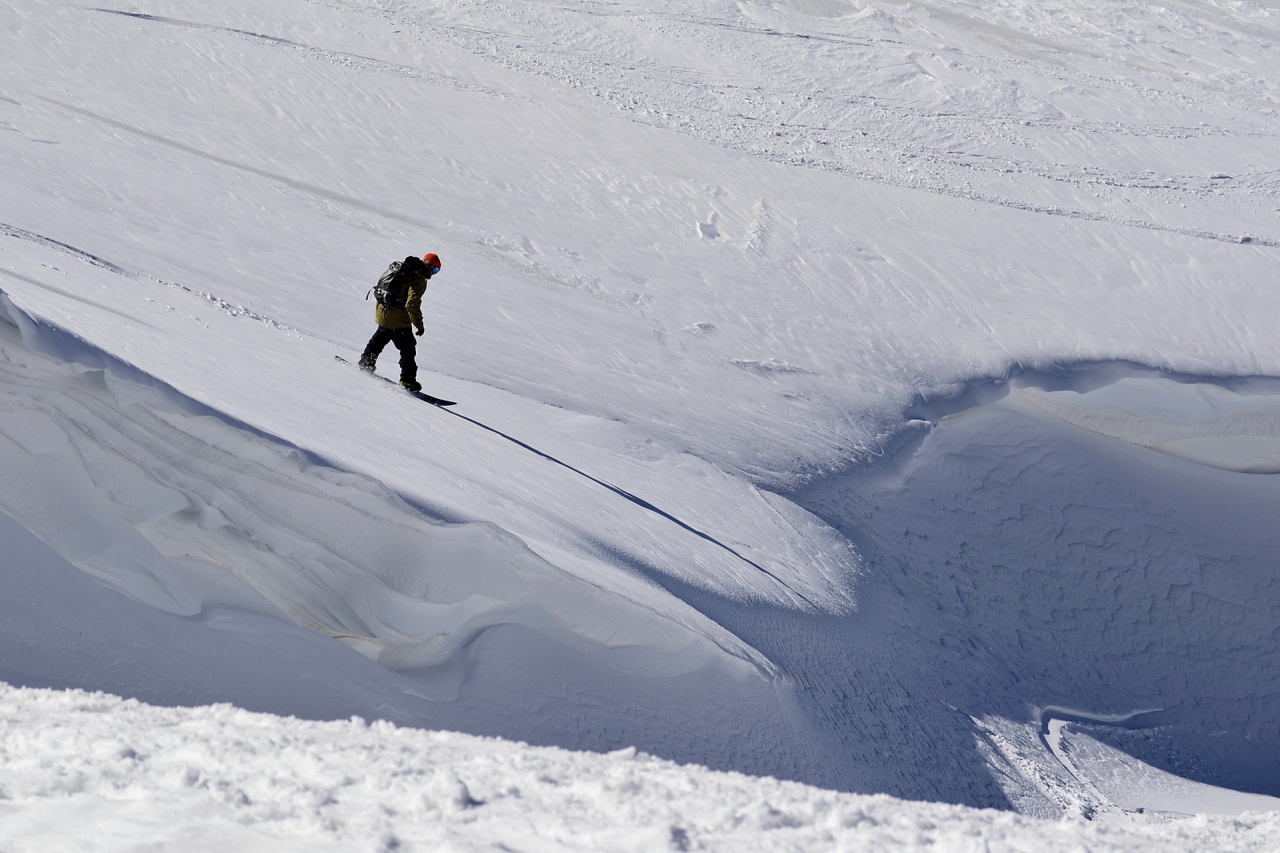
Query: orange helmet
431, 259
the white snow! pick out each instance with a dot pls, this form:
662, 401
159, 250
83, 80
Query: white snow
1130, 783
220, 778
1213, 426
845, 390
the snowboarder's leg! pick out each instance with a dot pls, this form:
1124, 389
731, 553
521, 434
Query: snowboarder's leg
408, 347
377, 343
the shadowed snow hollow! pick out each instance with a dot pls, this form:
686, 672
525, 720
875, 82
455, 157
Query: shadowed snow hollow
1059, 568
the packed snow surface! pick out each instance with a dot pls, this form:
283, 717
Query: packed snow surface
880, 396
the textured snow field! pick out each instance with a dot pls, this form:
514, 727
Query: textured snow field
876, 395
93, 772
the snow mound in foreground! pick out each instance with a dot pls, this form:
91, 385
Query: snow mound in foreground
217, 776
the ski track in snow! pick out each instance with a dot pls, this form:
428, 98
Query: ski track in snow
480, 246
72, 251
345, 60
946, 168
825, 135
644, 504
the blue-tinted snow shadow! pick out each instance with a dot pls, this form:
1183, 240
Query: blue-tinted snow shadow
1025, 564
526, 679
858, 727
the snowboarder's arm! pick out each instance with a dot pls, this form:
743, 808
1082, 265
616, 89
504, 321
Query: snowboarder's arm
413, 303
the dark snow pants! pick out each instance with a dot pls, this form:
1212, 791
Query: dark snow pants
403, 339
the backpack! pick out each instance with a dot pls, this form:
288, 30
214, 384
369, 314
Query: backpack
392, 289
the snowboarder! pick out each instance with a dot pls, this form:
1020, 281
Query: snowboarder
399, 294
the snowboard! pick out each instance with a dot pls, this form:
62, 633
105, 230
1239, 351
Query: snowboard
421, 395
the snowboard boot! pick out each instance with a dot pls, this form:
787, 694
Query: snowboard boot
367, 364
411, 385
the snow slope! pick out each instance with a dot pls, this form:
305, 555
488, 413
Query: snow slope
733, 298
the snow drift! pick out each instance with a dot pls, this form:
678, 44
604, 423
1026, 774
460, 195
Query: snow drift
202, 523
873, 395
970, 614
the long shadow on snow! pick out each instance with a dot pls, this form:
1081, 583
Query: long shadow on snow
858, 728
638, 501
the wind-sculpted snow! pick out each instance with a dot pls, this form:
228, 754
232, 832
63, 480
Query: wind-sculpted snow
956, 99
207, 494
1077, 571
191, 514
877, 395
195, 516
219, 778
1216, 427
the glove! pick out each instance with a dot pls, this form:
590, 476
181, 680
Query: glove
420, 332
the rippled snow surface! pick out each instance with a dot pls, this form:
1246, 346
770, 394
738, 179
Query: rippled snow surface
879, 396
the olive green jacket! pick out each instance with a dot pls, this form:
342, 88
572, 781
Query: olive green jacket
411, 313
